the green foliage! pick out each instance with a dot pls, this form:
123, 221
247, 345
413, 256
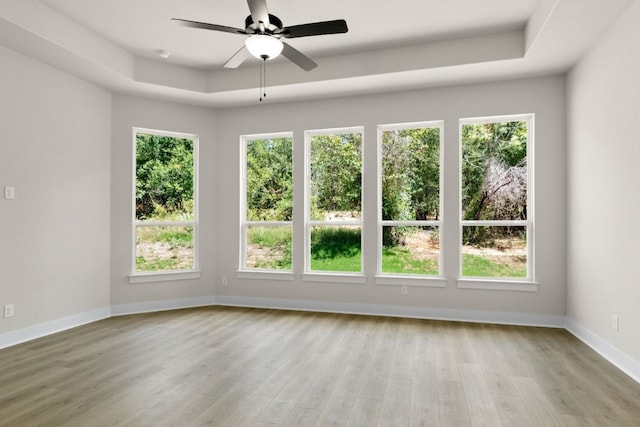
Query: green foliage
482, 266
333, 249
344, 263
164, 177
277, 242
410, 178
400, 260
492, 237
270, 179
164, 248
336, 249
336, 173
494, 175
177, 237
153, 264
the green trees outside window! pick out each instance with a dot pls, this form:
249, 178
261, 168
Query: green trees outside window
335, 201
269, 203
410, 199
164, 202
494, 199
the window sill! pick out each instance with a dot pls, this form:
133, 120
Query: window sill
419, 281
497, 285
264, 275
165, 276
359, 279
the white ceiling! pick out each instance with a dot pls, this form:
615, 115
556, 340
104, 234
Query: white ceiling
142, 27
391, 45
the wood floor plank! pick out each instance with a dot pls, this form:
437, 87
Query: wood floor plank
446, 359
180, 408
396, 405
452, 404
482, 409
252, 367
365, 412
424, 394
301, 417
338, 408
512, 410
536, 402
275, 412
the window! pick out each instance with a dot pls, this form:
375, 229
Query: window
267, 197
409, 199
334, 201
496, 197
165, 202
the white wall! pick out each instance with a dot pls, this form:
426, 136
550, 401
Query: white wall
55, 236
603, 177
544, 96
129, 112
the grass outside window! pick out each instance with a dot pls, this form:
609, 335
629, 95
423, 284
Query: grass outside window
164, 248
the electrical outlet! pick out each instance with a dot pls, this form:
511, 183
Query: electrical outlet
615, 323
225, 282
9, 310
404, 290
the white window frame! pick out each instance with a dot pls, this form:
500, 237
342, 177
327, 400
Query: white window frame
410, 279
527, 283
330, 276
161, 276
243, 271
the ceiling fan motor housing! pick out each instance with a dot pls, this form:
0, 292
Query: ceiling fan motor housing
275, 24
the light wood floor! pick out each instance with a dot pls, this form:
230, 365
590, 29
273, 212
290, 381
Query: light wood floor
250, 367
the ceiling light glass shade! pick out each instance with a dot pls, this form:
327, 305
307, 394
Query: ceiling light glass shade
264, 47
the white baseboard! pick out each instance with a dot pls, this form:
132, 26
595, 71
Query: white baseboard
161, 305
395, 311
51, 327
624, 362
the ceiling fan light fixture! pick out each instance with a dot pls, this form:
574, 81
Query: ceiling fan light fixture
263, 46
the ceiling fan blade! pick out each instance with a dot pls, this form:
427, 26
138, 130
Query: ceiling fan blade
206, 26
238, 58
259, 11
316, 29
297, 57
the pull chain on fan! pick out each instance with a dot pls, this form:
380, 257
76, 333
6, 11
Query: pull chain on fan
263, 78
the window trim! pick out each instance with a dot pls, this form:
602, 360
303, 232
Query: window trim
528, 283
321, 275
260, 273
410, 279
166, 275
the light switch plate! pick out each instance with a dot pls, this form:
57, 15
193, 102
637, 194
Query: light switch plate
9, 193
9, 310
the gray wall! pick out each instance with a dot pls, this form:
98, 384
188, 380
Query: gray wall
55, 139
66, 147
603, 177
544, 96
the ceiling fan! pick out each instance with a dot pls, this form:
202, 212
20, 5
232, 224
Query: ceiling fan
265, 32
